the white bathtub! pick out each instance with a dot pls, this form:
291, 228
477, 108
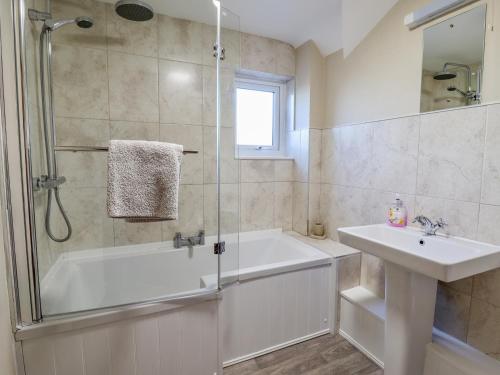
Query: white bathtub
94, 279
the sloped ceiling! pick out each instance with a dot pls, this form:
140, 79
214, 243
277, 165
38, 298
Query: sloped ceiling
359, 17
331, 24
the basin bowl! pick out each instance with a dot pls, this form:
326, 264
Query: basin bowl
439, 257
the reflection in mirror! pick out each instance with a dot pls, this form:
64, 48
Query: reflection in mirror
453, 61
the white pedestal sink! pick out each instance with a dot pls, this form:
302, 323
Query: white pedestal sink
413, 265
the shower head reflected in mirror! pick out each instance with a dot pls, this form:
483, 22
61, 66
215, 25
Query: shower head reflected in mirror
444, 75
134, 10
455, 89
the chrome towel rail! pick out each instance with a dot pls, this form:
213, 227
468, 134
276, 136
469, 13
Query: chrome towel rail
100, 148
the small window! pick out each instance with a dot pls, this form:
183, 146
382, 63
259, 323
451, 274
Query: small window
259, 118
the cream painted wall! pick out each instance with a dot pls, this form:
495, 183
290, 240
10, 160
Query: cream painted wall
310, 86
382, 77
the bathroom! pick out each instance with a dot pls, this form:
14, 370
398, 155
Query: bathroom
295, 132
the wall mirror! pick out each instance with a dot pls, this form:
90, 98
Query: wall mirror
453, 61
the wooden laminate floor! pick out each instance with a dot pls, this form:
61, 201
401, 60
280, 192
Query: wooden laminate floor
325, 355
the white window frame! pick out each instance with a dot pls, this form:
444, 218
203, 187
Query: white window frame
277, 150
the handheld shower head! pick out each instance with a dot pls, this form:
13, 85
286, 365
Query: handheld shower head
82, 22
455, 89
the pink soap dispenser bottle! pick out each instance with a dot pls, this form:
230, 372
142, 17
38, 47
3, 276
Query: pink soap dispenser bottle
398, 215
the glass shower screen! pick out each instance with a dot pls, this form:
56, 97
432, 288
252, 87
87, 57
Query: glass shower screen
95, 75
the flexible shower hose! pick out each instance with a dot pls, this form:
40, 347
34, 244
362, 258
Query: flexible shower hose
49, 137
63, 213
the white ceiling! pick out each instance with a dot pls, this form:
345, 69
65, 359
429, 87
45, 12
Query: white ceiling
292, 21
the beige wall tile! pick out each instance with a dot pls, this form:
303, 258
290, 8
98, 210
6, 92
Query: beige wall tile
80, 78
326, 210
231, 42
395, 149
462, 217
452, 312
143, 131
94, 37
484, 328
348, 207
191, 137
462, 285
300, 207
451, 154
490, 193
180, 40
487, 231
138, 38
328, 140
285, 59
133, 87
283, 170
86, 210
84, 169
46, 255
227, 94
485, 287
82, 132
283, 205
229, 208
349, 271
180, 93
373, 274
314, 196
190, 214
315, 156
302, 158
257, 170
348, 156
258, 53
135, 233
229, 165
257, 206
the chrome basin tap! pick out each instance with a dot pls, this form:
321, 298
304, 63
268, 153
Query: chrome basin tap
428, 226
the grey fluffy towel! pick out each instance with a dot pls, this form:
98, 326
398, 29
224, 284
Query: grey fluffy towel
143, 180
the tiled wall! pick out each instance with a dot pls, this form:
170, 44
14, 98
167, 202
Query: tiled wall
156, 81
444, 164
304, 140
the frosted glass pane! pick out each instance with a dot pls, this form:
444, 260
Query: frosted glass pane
254, 117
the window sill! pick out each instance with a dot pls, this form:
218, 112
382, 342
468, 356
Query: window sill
267, 157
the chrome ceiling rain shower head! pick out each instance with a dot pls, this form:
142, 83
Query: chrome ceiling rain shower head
134, 10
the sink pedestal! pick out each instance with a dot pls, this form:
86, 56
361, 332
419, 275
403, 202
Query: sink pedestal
410, 304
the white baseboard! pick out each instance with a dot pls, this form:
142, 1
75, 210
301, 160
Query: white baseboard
274, 348
361, 348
